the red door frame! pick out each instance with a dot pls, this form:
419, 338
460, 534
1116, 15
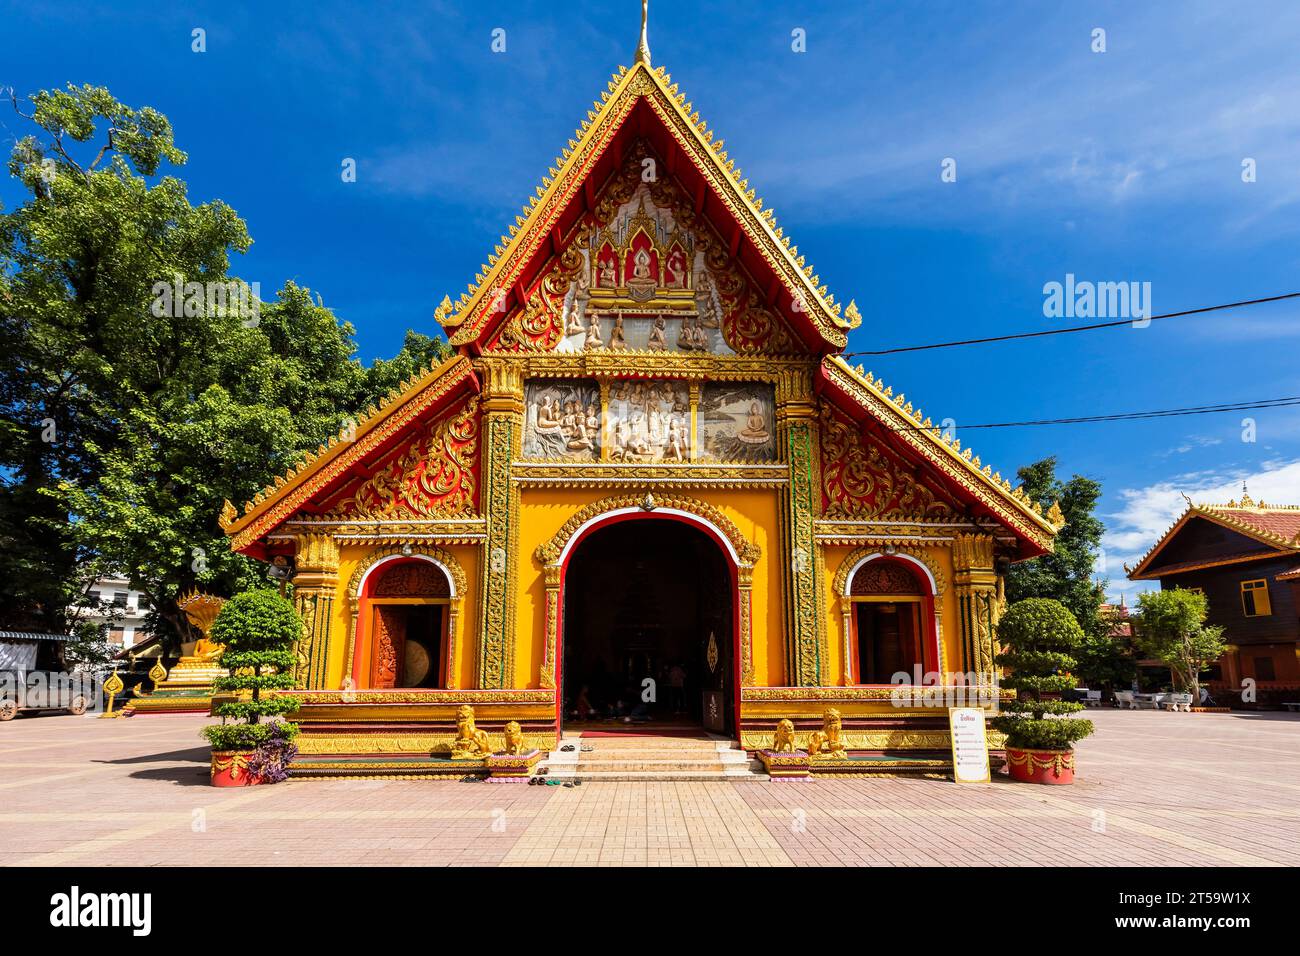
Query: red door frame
618, 517
362, 648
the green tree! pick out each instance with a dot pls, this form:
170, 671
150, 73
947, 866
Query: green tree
128, 413
258, 629
419, 352
1039, 635
1102, 661
79, 259
1064, 575
1172, 629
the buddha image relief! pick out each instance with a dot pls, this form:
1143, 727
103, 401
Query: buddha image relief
643, 286
563, 420
737, 422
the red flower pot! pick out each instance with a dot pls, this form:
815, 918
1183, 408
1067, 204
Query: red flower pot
230, 769
1040, 766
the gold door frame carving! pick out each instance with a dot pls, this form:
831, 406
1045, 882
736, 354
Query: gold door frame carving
744, 554
854, 562
440, 558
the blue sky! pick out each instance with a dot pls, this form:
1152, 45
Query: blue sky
1117, 166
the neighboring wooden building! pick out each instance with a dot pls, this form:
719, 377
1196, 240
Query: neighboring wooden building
1245, 558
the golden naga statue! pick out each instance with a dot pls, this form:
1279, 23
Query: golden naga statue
783, 739
514, 738
470, 741
826, 742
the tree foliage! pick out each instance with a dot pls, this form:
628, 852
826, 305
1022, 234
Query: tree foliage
124, 426
1064, 575
258, 629
1172, 629
1039, 636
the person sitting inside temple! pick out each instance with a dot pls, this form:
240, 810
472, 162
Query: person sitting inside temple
582, 708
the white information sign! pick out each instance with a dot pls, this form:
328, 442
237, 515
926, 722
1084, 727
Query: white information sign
970, 745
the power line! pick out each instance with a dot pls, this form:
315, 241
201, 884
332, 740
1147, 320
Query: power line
1076, 328
1134, 416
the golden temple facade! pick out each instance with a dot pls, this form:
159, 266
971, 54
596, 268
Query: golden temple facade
646, 461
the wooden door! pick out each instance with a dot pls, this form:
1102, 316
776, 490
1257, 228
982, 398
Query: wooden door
389, 629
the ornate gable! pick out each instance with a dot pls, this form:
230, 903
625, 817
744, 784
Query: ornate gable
435, 475
903, 461
575, 226
642, 271
416, 453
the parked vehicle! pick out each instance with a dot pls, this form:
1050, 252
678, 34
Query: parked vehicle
43, 690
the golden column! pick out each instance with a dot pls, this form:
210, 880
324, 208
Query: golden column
805, 604
978, 602
503, 415
315, 581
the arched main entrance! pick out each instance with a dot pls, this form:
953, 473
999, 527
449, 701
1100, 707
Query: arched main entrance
648, 597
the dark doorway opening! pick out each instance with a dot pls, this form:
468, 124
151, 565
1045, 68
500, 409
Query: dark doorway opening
889, 640
408, 641
648, 628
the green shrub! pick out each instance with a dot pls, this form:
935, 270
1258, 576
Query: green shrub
1039, 634
258, 629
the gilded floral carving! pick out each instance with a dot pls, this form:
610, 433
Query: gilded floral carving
433, 477
860, 479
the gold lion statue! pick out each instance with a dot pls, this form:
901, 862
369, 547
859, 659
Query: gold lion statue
783, 739
827, 741
470, 741
514, 738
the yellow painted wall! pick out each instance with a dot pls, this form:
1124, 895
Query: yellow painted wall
544, 511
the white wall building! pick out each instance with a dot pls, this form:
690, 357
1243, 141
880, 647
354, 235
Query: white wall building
112, 601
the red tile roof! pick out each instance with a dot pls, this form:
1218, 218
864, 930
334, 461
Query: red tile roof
1284, 523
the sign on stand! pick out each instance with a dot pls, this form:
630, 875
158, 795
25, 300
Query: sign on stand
970, 745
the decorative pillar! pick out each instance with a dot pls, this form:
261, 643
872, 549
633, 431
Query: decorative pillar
314, 585
978, 603
805, 605
606, 432
744, 599
551, 574
503, 414
694, 402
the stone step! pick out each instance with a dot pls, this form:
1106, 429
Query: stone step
658, 753
658, 776
651, 743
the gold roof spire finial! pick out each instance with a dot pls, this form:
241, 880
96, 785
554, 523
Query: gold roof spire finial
643, 47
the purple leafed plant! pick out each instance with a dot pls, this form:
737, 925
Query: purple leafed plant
270, 761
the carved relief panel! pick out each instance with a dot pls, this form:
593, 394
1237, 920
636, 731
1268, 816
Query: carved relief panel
563, 419
737, 422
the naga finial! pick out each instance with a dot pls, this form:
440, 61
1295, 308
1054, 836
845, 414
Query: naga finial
643, 47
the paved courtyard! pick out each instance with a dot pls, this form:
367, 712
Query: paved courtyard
1154, 788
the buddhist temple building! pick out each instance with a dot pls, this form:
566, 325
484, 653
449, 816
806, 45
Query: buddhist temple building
1244, 556
645, 462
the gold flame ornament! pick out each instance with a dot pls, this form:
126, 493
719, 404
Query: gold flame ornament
113, 686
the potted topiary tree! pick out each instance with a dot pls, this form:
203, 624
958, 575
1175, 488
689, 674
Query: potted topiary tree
258, 630
1038, 634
